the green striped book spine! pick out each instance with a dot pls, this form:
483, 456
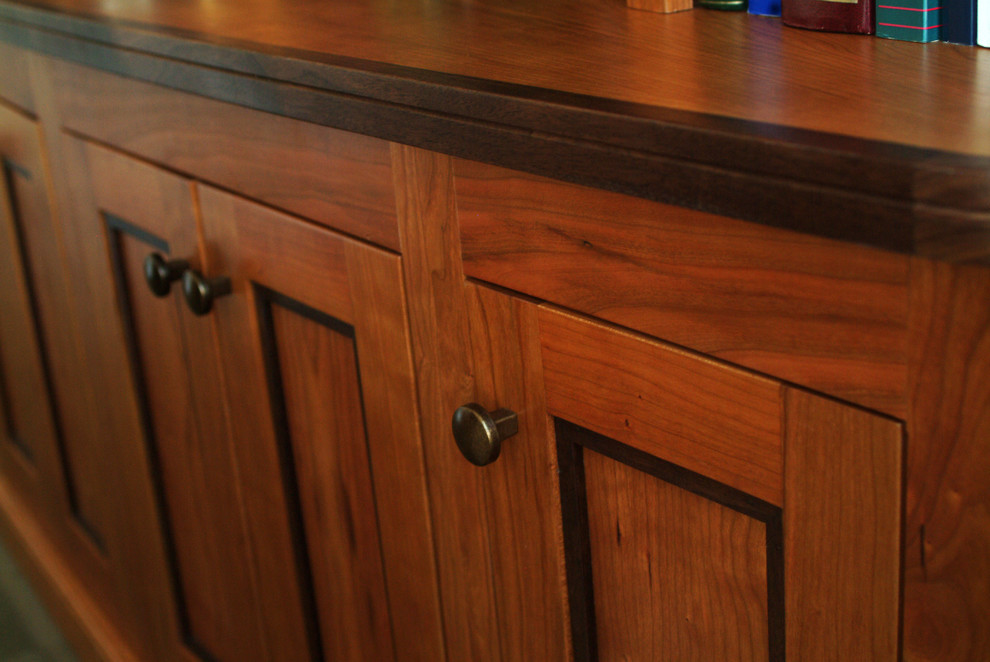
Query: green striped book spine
909, 20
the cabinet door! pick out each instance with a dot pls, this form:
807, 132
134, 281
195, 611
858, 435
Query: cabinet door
29, 447
315, 354
715, 514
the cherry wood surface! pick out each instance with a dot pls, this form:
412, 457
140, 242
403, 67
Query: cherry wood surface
842, 530
947, 527
334, 394
666, 402
498, 542
339, 179
706, 62
721, 112
819, 313
676, 576
30, 439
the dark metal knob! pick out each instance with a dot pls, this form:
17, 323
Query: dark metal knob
160, 273
201, 292
479, 433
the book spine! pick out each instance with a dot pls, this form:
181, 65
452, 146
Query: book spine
909, 20
764, 7
983, 23
959, 21
830, 15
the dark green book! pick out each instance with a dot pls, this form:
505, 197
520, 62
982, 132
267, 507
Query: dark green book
909, 20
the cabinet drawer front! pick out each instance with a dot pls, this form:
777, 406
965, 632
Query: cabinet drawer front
341, 180
828, 316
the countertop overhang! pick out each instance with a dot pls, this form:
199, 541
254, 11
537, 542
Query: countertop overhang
705, 110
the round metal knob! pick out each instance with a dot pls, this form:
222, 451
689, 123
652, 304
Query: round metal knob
160, 273
479, 433
201, 292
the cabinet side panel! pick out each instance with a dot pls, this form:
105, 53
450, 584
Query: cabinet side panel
947, 551
842, 530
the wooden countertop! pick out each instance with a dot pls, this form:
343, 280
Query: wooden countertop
852, 137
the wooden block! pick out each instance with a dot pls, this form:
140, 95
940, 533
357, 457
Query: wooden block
661, 6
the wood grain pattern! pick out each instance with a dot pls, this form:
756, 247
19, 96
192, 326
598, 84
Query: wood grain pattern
382, 520
666, 402
134, 588
842, 530
947, 529
826, 315
676, 577
520, 488
828, 184
188, 426
699, 61
321, 388
15, 84
498, 543
396, 446
441, 344
339, 179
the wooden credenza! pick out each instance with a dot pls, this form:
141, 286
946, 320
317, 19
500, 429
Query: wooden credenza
244, 289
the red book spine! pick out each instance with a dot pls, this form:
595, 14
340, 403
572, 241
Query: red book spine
829, 15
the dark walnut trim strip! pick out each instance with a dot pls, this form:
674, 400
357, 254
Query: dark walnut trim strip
897, 198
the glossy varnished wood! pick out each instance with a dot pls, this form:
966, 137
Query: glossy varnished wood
719, 286
842, 530
126, 575
498, 548
603, 49
339, 179
30, 437
142, 210
328, 408
755, 127
665, 401
947, 528
526, 546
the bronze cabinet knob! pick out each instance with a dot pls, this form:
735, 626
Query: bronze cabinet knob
201, 292
160, 273
479, 433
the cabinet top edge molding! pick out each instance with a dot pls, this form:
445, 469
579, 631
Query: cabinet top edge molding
845, 136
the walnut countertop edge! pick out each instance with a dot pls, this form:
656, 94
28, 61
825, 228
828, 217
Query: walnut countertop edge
931, 200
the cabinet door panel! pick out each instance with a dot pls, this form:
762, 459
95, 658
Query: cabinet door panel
664, 563
316, 361
32, 320
173, 357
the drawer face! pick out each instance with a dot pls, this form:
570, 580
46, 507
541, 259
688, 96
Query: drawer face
338, 179
827, 316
